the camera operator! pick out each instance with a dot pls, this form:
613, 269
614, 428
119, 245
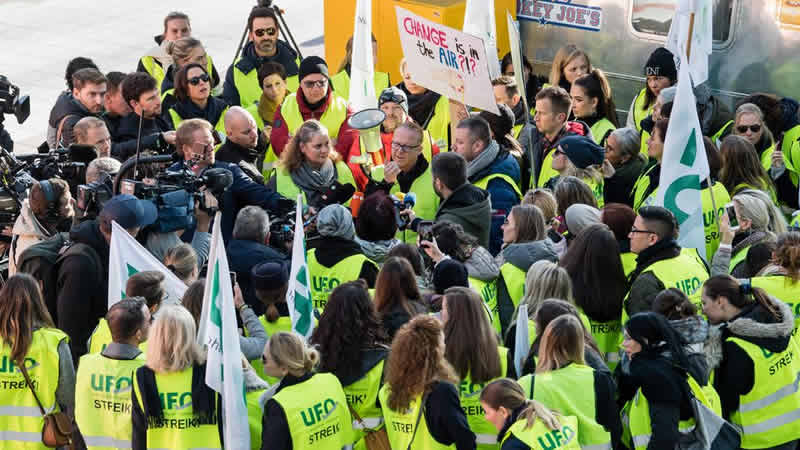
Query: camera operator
100, 166
245, 145
140, 92
47, 210
250, 247
195, 143
89, 87
115, 104
93, 132
59, 109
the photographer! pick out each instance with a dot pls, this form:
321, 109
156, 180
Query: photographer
47, 210
63, 102
88, 89
100, 166
250, 247
141, 93
194, 142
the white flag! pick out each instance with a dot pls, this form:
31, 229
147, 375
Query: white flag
684, 166
479, 22
522, 344
224, 371
362, 65
516, 60
127, 257
298, 296
702, 37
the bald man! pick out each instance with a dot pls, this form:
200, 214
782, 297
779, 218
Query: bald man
245, 145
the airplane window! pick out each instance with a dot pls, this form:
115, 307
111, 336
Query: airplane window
655, 17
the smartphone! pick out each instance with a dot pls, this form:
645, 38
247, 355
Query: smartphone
425, 231
732, 219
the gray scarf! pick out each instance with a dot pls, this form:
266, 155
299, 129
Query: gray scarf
311, 180
484, 158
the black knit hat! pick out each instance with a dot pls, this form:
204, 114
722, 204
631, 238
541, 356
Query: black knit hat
582, 151
311, 65
449, 273
269, 275
500, 125
661, 64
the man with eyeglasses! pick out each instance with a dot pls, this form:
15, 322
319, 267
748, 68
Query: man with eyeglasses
140, 92
660, 264
314, 100
241, 81
394, 103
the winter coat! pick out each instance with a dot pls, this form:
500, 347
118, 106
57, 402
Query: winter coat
645, 286
469, 207
243, 256
503, 196
619, 187
123, 143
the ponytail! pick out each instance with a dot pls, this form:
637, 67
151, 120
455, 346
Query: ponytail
787, 254
509, 394
597, 86
272, 313
534, 410
738, 294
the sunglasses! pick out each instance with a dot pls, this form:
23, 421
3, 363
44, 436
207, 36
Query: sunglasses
271, 31
318, 83
743, 128
194, 81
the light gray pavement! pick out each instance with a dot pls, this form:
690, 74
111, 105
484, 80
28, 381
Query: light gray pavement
39, 37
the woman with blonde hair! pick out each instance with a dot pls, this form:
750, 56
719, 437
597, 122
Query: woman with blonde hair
526, 424
183, 51
564, 382
310, 166
182, 261
569, 63
420, 392
287, 357
175, 363
749, 123
29, 339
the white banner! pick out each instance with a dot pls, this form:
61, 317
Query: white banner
362, 66
702, 36
447, 61
479, 21
516, 59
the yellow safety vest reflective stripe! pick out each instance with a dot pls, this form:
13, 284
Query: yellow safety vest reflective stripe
333, 117
20, 418
570, 390
514, 279
539, 437
439, 125
341, 83
484, 182
601, 129
721, 198
317, 414
248, 87
101, 337
426, 205
103, 401
470, 394
181, 427
608, 336
285, 186
636, 428
325, 279
362, 396
769, 415
488, 292
400, 425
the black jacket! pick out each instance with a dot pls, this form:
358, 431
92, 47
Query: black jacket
243, 256
329, 251
83, 288
74, 111
619, 187
664, 386
250, 160
446, 421
250, 61
470, 207
645, 287
396, 317
212, 112
123, 143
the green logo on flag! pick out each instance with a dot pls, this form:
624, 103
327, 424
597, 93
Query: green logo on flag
216, 312
131, 271
682, 183
302, 304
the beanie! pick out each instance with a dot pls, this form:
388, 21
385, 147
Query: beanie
449, 273
579, 216
396, 95
582, 151
269, 275
661, 64
311, 65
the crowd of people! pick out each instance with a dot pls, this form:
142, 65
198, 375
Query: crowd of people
531, 296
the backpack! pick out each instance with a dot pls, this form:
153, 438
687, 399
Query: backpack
42, 261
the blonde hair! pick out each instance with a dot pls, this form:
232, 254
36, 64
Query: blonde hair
757, 206
544, 200
562, 343
172, 343
563, 57
181, 260
509, 394
292, 157
545, 279
751, 108
183, 135
181, 49
287, 350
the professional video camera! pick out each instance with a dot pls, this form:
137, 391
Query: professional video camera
92, 196
14, 185
11, 103
69, 164
174, 192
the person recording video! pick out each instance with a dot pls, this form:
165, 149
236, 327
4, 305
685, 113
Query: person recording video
49, 209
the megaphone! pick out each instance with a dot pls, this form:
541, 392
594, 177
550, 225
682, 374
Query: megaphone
368, 123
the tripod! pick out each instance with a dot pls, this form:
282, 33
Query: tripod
284, 27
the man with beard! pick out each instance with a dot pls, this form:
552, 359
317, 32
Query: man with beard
140, 92
245, 145
89, 88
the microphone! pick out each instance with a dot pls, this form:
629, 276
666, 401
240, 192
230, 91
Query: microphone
410, 199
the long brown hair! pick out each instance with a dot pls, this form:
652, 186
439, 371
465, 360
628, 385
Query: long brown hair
787, 254
529, 222
562, 343
396, 285
596, 85
739, 295
740, 165
509, 394
22, 309
550, 310
416, 361
563, 57
470, 341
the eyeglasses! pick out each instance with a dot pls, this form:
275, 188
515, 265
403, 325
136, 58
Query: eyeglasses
743, 128
194, 81
634, 230
271, 31
405, 148
319, 83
